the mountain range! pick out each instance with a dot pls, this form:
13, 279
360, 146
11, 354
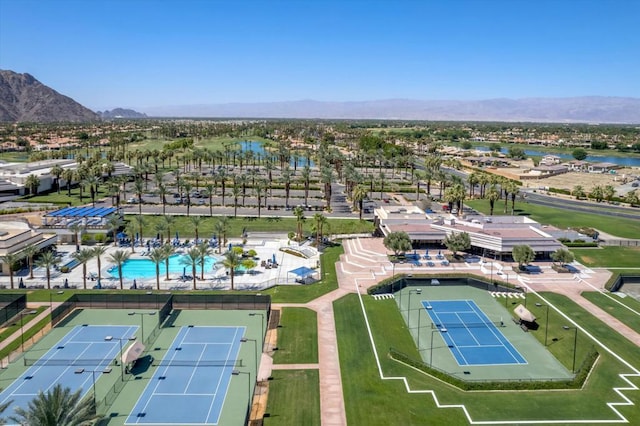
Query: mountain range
23, 98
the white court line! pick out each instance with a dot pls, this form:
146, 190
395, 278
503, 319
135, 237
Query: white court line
612, 405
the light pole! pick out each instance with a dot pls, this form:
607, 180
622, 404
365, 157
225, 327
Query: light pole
524, 290
130, 339
441, 330
22, 314
237, 373
546, 325
93, 377
575, 345
142, 314
51, 299
416, 291
419, 317
262, 330
255, 352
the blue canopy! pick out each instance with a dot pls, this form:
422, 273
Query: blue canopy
302, 271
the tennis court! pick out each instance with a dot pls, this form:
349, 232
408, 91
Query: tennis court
190, 385
472, 338
74, 362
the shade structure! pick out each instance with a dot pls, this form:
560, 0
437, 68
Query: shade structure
302, 271
524, 314
133, 352
273, 258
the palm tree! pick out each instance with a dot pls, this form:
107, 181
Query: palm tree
93, 183
157, 256
359, 194
59, 407
140, 222
320, 221
578, 192
632, 198
298, 212
160, 227
232, 260
236, 192
196, 221
29, 251
67, 175
33, 183
114, 223
131, 229
56, 171
98, 251
609, 192
11, 260
77, 229
47, 260
83, 256
168, 220
191, 260
167, 251
205, 252
492, 195
138, 188
119, 257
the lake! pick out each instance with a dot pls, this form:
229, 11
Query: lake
631, 161
258, 148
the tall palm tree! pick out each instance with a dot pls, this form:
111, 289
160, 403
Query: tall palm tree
33, 183
191, 260
59, 407
11, 260
319, 222
298, 212
167, 251
236, 192
219, 229
77, 228
232, 260
114, 223
48, 260
196, 221
119, 257
140, 222
29, 251
157, 256
56, 171
138, 188
204, 252
67, 175
98, 251
168, 220
162, 192
160, 226
492, 194
83, 256
359, 194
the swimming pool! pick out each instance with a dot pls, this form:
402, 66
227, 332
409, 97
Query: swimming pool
145, 268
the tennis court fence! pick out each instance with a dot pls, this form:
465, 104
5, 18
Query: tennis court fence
487, 324
10, 305
88, 362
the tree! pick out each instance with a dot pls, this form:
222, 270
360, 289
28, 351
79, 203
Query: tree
118, 258
67, 175
298, 212
168, 220
167, 251
203, 252
29, 252
77, 228
33, 183
48, 260
157, 256
457, 242
114, 223
83, 256
579, 154
56, 171
523, 254
320, 221
563, 256
196, 221
632, 198
359, 194
11, 260
578, 192
609, 192
397, 242
191, 260
57, 407
232, 260
517, 153
597, 193
98, 251
493, 195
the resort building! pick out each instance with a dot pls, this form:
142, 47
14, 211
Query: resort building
91, 220
492, 236
15, 235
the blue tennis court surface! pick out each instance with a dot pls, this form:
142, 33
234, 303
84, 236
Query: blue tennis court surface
472, 338
83, 346
181, 393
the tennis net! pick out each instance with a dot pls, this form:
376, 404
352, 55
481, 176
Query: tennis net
162, 363
487, 324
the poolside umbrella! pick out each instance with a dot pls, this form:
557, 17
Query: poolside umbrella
66, 283
134, 286
98, 285
21, 283
121, 235
177, 237
184, 272
273, 258
426, 252
229, 246
415, 254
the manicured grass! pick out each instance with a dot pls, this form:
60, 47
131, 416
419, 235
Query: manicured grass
294, 398
560, 218
297, 337
364, 389
28, 332
306, 293
62, 199
615, 309
238, 225
609, 256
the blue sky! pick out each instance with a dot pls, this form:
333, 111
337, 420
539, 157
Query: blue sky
143, 53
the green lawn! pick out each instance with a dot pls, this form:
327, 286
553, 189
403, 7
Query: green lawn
63, 199
297, 337
294, 398
615, 309
609, 256
364, 389
560, 218
306, 293
238, 225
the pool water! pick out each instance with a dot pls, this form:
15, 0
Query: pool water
145, 268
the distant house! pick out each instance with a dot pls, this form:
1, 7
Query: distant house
577, 165
550, 160
602, 167
550, 170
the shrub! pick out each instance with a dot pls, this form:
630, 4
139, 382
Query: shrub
64, 269
87, 238
100, 238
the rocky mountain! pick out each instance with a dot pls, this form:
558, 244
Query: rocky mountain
23, 98
120, 113
559, 110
